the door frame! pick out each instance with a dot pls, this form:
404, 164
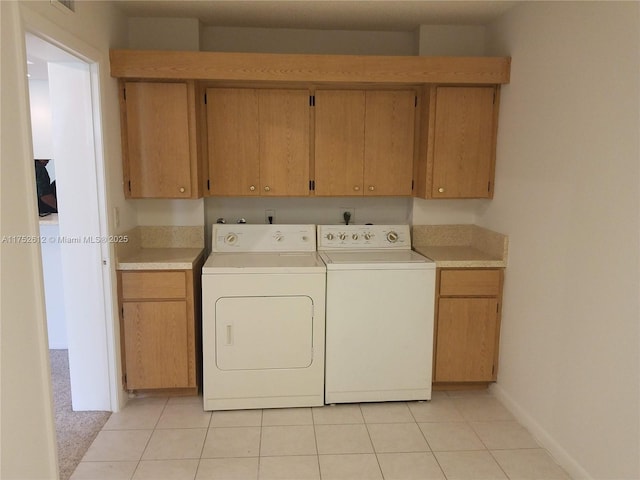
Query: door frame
35, 24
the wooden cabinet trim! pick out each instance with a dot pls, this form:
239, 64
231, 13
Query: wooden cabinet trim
154, 285
470, 282
226, 66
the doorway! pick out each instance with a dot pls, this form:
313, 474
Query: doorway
81, 224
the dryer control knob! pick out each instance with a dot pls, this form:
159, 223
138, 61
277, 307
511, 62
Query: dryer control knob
368, 236
354, 236
392, 237
329, 236
231, 238
342, 236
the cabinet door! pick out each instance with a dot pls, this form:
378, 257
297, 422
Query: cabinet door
464, 142
233, 141
284, 142
389, 134
158, 148
466, 339
156, 344
339, 142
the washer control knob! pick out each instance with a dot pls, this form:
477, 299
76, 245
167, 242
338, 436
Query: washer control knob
231, 238
279, 237
354, 236
368, 236
392, 237
342, 236
329, 236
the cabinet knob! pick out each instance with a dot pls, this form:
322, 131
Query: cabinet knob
267, 188
181, 189
356, 188
441, 190
371, 188
252, 188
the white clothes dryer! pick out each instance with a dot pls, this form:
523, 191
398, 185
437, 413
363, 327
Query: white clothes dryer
263, 312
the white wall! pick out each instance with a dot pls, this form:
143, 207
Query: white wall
567, 194
164, 33
40, 119
27, 435
452, 40
289, 40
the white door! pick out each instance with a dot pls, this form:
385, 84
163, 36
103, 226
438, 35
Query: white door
74, 153
259, 333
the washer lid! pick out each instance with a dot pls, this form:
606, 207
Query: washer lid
358, 259
283, 262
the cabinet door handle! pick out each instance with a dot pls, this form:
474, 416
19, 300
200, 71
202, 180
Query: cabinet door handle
267, 188
441, 190
356, 188
372, 188
252, 188
229, 335
181, 189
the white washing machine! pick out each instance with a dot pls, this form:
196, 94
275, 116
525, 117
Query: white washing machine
379, 318
263, 312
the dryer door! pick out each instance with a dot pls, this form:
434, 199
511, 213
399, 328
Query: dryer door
258, 333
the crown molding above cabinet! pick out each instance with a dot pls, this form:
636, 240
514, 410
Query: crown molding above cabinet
271, 67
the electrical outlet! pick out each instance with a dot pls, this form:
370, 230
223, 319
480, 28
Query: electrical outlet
350, 211
270, 213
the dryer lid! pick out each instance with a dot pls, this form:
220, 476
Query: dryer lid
281, 262
375, 259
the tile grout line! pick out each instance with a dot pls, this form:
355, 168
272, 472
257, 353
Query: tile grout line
206, 435
373, 447
133, 474
260, 443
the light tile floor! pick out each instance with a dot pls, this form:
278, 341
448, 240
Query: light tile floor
457, 435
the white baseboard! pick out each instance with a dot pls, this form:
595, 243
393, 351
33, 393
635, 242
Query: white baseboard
559, 454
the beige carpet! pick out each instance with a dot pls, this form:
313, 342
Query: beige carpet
75, 430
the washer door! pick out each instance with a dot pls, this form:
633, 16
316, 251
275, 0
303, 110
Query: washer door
258, 333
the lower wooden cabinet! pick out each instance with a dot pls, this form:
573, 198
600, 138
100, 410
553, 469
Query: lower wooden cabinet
467, 325
160, 334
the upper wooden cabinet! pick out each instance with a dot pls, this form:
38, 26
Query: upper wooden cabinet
258, 141
159, 140
457, 155
259, 134
364, 142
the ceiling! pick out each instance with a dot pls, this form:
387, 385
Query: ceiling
322, 14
